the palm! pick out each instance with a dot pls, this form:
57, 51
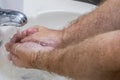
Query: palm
27, 52
24, 47
45, 37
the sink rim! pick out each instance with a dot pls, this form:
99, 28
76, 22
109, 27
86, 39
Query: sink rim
70, 6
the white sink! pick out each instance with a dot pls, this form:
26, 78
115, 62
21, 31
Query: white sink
50, 13
53, 19
35, 7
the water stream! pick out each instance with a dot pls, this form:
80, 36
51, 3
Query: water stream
10, 72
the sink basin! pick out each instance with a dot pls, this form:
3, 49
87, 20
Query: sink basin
57, 17
53, 19
36, 7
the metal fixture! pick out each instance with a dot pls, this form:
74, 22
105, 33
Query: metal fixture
12, 18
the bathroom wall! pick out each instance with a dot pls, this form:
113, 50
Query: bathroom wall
12, 4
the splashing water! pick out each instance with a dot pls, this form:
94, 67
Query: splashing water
10, 72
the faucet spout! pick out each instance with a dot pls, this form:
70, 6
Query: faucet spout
12, 18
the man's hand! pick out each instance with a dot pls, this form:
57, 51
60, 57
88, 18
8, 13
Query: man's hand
25, 46
43, 36
23, 54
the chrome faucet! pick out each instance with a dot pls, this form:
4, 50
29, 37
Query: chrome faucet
12, 18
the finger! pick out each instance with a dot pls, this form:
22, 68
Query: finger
13, 39
10, 56
14, 55
32, 31
18, 62
29, 32
15, 60
14, 49
8, 46
29, 38
39, 28
41, 41
24, 34
16, 38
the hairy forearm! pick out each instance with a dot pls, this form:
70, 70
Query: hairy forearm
105, 18
94, 59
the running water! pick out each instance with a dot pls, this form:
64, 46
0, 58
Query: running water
10, 72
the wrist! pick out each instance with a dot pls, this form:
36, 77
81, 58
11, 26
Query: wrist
40, 61
67, 36
64, 38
